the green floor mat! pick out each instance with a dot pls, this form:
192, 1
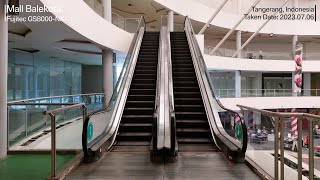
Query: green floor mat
30, 166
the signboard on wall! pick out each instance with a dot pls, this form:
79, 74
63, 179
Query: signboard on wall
298, 68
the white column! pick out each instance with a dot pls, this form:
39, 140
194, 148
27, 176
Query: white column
107, 58
238, 83
3, 80
294, 44
107, 68
115, 72
307, 83
238, 73
170, 20
107, 9
238, 43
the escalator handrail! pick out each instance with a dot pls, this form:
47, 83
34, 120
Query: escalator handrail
156, 118
119, 85
171, 100
162, 124
205, 70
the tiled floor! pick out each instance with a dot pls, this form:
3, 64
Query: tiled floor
137, 165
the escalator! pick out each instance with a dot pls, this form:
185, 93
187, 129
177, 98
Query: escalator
193, 131
127, 122
198, 124
135, 130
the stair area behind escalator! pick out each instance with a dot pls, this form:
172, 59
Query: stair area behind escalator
193, 131
135, 130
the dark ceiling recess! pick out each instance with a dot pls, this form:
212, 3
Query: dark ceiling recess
82, 51
130, 4
74, 41
28, 50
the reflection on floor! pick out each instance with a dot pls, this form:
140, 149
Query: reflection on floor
137, 165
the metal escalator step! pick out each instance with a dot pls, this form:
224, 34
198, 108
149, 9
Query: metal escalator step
134, 136
135, 127
142, 104
131, 148
194, 140
190, 108
141, 98
143, 86
193, 130
143, 91
132, 143
186, 89
137, 119
197, 147
138, 110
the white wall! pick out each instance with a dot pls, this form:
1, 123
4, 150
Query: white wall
272, 102
227, 63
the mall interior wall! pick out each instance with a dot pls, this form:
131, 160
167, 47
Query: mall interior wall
31, 76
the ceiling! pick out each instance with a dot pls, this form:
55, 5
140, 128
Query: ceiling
57, 40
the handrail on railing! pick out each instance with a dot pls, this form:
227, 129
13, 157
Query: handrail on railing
53, 133
278, 117
204, 74
54, 97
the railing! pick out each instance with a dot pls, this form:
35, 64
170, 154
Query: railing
231, 93
52, 114
234, 142
25, 116
245, 54
279, 127
106, 120
127, 24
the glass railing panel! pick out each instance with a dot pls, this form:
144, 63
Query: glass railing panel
27, 121
17, 124
35, 119
232, 124
69, 132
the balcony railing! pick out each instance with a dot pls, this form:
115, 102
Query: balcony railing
127, 24
231, 93
224, 52
25, 117
287, 151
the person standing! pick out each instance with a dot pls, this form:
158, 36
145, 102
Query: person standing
260, 54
